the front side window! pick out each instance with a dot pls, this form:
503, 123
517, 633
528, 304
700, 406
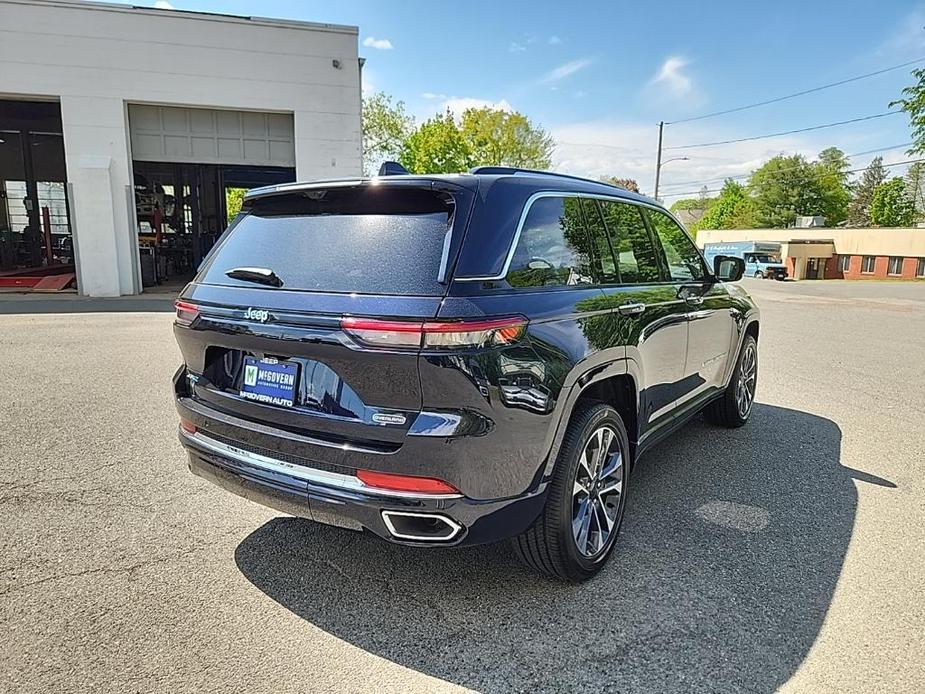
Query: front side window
684, 262
867, 264
554, 249
637, 258
896, 266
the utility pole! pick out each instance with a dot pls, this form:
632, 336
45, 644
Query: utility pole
658, 159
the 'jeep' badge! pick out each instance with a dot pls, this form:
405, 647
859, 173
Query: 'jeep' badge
260, 314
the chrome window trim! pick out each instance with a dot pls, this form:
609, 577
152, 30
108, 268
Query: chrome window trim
559, 194
349, 483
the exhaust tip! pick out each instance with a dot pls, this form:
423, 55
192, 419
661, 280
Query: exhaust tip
421, 527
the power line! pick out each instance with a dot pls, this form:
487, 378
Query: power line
786, 132
796, 94
790, 168
716, 190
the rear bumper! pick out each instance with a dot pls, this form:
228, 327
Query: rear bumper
340, 500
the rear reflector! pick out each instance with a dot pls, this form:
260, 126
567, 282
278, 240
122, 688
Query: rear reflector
435, 334
405, 483
186, 312
187, 426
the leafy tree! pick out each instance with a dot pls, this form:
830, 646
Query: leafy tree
891, 205
692, 204
859, 208
915, 189
504, 138
234, 199
913, 103
785, 187
386, 126
732, 209
832, 173
626, 183
436, 146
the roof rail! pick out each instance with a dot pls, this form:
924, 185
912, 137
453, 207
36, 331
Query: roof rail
513, 171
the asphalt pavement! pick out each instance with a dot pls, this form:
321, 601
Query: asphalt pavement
787, 554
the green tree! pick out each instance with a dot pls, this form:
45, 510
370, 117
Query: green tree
504, 138
832, 173
234, 199
386, 126
626, 183
915, 189
436, 146
785, 187
859, 207
913, 103
891, 205
732, 209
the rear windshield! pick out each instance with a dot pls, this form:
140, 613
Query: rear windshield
367, 240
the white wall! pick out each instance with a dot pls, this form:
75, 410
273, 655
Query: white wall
847, 241
96, 58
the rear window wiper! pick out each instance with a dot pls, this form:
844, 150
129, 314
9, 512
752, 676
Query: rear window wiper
261, 275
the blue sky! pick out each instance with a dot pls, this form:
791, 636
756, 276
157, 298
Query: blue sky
599, 76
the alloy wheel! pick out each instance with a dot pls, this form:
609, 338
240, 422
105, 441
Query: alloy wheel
745, 387
597, 493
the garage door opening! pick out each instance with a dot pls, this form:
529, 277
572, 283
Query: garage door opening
36, 248
191, 167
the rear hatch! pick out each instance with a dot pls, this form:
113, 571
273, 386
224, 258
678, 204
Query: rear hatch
272, 328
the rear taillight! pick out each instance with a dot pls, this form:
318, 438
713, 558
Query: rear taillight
405, 483
186, 312
433, 334
187, 426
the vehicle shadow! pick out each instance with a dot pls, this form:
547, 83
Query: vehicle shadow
731, 548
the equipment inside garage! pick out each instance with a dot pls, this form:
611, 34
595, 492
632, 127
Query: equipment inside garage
190, 168
36, 249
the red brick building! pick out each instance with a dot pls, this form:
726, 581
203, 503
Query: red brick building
854, 254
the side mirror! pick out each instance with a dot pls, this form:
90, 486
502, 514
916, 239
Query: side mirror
728, 268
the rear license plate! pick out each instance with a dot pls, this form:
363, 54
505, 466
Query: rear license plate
270, 381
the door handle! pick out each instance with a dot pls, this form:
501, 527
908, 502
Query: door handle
631, 309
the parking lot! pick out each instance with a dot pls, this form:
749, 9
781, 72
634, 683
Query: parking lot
787, 554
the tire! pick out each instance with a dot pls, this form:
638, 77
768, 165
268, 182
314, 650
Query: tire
550, 546
759, 275
734, 407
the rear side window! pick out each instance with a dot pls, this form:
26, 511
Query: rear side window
637, 258
554, 248
684, 262
366, 240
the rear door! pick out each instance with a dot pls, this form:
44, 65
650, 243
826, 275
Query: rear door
349, 262
646, 313
708, 304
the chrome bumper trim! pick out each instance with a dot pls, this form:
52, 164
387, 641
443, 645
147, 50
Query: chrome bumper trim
349, 483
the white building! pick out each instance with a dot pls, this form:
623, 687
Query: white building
108, 112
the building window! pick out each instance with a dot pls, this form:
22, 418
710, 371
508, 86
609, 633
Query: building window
867, 264
896, 266
920, 268
844, 263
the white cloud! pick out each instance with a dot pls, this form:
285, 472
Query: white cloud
430, 96
163, 5
458, 104
907, 40
516, 47
554, 40
628, 150
671, 77
379, 44
565, 70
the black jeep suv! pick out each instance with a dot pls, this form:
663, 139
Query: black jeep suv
447, 360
